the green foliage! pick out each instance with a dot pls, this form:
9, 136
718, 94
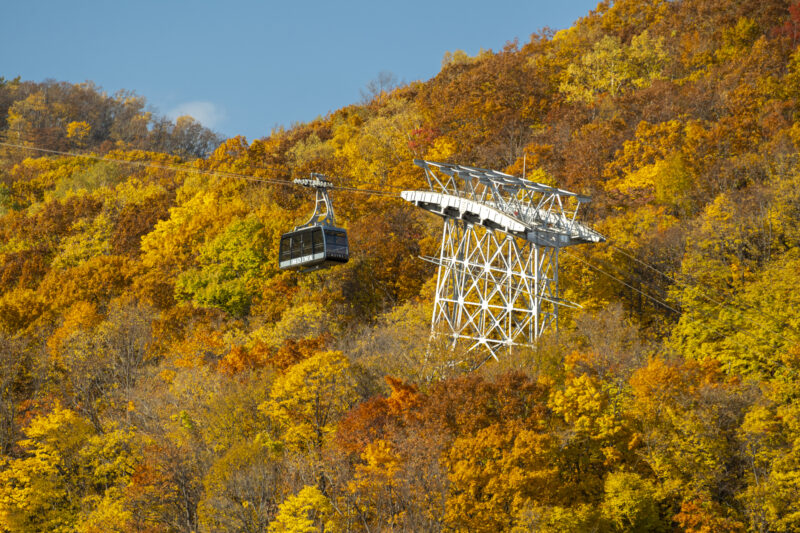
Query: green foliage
158, 373
97, 176
232, 266
174, 243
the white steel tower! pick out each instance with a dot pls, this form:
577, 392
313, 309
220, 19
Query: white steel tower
498, 265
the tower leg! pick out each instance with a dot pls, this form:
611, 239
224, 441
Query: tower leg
493, 290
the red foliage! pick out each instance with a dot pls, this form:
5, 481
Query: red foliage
791, 28
422, 139
375, 417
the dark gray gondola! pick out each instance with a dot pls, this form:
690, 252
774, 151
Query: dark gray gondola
312, 248
319, 243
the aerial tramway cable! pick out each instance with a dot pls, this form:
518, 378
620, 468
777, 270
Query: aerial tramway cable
725, 302
179, 168
234, 175
601, 271
383, 193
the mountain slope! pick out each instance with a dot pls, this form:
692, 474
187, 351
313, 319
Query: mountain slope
160, 373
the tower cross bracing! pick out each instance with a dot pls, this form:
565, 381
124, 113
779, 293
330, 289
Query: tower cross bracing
497, 283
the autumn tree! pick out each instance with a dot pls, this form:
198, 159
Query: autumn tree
308, 400
67, 473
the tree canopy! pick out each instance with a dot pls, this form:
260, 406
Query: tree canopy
159, 373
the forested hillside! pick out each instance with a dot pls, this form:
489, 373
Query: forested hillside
158, 373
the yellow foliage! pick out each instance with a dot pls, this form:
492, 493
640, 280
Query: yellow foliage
82, 315
668, 179
655, 166
375, 148
67, 473
381, 463
584, 405
704, 188
738, 39
497, 473
630, 503
34, 177
684, 443
374, 487
308, 511
26, 115
135, 191
19, 310
175, 242
311, 150
78, 131
305, 318
307, 401
89, 238
611, 67
557, 519
109, 515
460, 57
443, 149
243, 488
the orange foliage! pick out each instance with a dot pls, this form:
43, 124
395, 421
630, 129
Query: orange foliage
82, 315
693, 167
372, 419
702, 515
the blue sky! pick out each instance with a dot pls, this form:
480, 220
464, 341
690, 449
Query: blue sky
245, 67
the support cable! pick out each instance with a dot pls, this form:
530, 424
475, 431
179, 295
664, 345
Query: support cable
664, 274
649, 297
180, 168
704, 315
386, 193
725, 302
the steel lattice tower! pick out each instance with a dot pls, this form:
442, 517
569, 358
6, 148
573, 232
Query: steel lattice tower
497, 283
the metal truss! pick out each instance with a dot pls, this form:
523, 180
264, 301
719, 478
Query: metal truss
497, 283
323, 208
493, 290
539, 213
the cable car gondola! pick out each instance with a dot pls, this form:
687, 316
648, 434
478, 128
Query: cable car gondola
318, 243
